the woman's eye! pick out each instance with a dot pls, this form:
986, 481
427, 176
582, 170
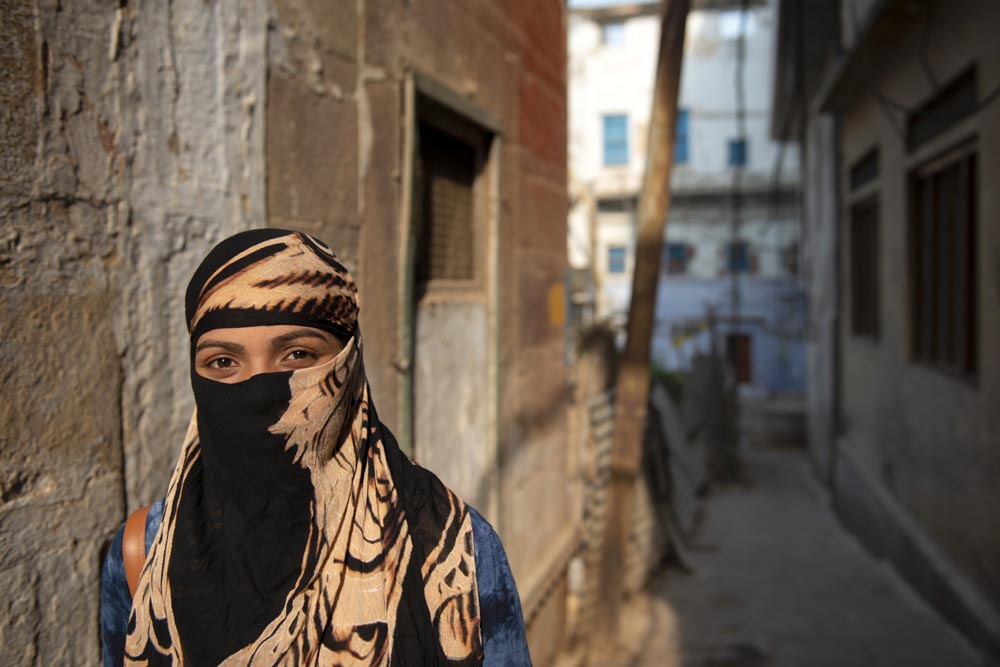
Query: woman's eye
221, 363
301, 355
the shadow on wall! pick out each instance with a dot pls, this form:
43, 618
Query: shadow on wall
689, 442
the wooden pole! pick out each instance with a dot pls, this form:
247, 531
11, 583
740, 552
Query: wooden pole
634, 370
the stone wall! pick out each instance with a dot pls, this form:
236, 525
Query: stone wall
136, 134
337, 162
132, 139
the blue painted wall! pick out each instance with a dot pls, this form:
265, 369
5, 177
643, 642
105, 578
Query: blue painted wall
772, 312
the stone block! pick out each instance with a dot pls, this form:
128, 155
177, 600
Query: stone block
331, 27
19, 628
312, 154
19, 85
383, 39
61, 487
344, 238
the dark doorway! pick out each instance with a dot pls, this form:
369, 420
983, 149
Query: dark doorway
739, 354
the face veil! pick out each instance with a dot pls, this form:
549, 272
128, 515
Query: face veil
295, 532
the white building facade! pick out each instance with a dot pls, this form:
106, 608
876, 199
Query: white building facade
731, 246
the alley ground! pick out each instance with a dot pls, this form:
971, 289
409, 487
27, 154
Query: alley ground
777, 582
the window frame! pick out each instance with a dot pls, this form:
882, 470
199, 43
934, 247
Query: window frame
864, 267
618, 34
862, 264
615, 248
958, 321
667, 261
744, 144
728, 251
609, 159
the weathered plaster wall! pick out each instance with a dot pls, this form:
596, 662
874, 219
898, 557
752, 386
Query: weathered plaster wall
819, 273
131, 138
61, 253
193, 122
340, 173
925, 438
455, 438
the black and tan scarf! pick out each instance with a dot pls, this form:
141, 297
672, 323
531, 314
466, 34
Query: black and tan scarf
295, 532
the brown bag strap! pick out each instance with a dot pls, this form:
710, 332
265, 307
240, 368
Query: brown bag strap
134, 547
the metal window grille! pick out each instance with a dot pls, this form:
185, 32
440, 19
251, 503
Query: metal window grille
445, 227
864, 269
943, 233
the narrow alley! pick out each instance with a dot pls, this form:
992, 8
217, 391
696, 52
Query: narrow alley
775, 580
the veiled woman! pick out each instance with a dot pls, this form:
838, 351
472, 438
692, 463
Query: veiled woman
294, 531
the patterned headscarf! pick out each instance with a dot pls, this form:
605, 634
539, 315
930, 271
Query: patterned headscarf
295, 532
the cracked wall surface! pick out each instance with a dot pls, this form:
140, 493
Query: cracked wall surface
136, 134
132, 139
336, 159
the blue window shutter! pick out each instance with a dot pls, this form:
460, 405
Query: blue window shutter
739, 257
737, 152
615, 139
613, 34
616, 259
676, 257
681, 138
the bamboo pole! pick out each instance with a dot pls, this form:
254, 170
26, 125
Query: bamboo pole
634, 371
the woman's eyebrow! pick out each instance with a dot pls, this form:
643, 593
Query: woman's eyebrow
228, 347
284, 339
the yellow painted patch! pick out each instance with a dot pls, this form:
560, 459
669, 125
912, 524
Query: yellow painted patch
557, 305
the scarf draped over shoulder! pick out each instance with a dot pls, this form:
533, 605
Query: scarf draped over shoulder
295, 532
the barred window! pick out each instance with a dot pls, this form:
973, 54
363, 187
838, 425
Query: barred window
943, 236
445, 176
864, 268
676, 257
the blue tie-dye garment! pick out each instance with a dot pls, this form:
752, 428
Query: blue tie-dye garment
504, 643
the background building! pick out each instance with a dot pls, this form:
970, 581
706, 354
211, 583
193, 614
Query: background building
427, 147
901, 134
731, 247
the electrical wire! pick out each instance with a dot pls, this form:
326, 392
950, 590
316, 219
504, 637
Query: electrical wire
739, 85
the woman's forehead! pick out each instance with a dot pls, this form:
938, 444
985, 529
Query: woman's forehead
264, 332
272, 279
